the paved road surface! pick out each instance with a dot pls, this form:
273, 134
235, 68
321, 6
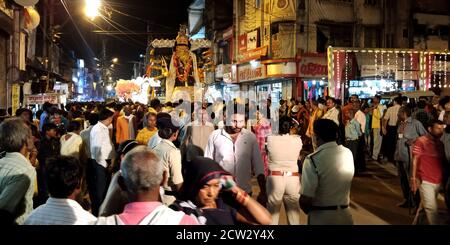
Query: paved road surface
374, 198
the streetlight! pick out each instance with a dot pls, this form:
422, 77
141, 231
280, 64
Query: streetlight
112, 65
92, 8
115, 60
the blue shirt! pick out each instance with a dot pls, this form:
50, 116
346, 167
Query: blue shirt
408, 132
42, 120
353, 130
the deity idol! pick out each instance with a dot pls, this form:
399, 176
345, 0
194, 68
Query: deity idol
183, 73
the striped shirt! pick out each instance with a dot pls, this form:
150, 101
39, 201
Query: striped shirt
16, 185
60, 211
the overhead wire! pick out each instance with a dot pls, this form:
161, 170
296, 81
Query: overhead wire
63, 2
109, 5
112, 22
116, 37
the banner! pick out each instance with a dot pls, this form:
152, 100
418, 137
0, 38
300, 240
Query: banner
42, 98
254, 54
15, 98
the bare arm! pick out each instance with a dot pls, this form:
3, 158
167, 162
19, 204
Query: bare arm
251, 212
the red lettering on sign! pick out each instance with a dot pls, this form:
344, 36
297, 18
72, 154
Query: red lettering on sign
249, 74
313, 69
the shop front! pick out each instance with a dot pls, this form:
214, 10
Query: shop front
281, 78
312, 73
249, 74
367, 72
226, 85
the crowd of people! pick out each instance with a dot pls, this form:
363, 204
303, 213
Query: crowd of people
193, 163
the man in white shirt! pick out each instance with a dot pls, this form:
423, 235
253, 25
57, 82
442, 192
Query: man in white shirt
327, 178
17, 175
390, 128
360, 117
63, 177
102, 151
332, 112
236, 150
197, 135
86, 136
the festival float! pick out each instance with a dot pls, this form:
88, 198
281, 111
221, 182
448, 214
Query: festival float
187, 74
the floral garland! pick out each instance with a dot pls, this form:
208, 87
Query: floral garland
183, 77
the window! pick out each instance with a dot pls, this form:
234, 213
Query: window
334, 35
372, 37
225, 52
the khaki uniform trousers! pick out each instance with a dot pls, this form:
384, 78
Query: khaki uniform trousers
284, 189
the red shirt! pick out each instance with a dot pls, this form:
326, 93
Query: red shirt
430, 152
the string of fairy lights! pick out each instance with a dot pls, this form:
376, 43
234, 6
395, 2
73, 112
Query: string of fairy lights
422, 69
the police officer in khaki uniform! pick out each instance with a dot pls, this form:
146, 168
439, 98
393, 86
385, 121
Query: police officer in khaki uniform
326, 178
170, 157
283, 181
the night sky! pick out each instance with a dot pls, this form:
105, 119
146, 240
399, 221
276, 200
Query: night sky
164, 16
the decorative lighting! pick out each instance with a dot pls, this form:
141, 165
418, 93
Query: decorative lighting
434, 69
346, 69
376, 65
382, 65
396, 64
338, 71
411, 66
403, 66
445, 70
389, 66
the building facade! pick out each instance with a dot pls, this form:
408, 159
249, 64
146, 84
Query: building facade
279, 47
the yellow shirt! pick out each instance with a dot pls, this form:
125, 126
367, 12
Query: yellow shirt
150, 109
376, 119
144, 135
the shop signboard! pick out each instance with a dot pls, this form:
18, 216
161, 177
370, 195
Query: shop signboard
377, 71
227, 34
42, 98
406, 75
251, 72
282, 69
313, 67
254, 54
252, 40
15, 97
230, 77
242, 43
225, 72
